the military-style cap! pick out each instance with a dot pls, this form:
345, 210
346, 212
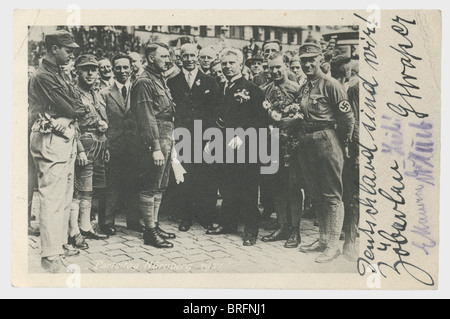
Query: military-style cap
309, 50
256, 58
86, 59
63, 38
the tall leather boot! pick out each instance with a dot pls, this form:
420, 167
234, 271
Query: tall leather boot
350, 226
152, 238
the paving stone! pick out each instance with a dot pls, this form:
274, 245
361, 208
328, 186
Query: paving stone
196, 252
117, 246
200, 258
97, 249
113, 253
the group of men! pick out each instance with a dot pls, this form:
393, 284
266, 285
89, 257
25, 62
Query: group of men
112, 135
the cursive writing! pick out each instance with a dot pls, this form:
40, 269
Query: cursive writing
407, 87
395, 239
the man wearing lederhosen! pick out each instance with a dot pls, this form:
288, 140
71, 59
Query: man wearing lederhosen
154, 109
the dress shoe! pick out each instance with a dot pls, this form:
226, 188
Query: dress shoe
70, 251
164, 234
78, 242
350, 252
152, 238
315, 247
250, 240
280, 234
136, 227
94, 235
108, 230
220, 230
185, 225
295, 239
33, 231
207, 226
55, 265
329, 255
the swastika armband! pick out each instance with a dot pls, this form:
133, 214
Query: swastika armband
345, 107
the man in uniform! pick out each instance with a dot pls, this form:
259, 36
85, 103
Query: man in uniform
285, 185
195, 95
54, 107
241, 108
154, 109
121, 167
90, 164
341, 70
206, 57
106, 73
325, 135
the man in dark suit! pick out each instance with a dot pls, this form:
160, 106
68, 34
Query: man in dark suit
195, 95
241, 108
121, 191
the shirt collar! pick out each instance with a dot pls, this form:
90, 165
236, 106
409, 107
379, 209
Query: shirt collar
233, 80
120, 85
152, 72
194, 72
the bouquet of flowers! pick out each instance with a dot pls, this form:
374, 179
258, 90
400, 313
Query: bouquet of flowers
281, 110
242, 96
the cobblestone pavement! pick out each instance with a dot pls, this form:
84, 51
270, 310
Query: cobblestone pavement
194, 252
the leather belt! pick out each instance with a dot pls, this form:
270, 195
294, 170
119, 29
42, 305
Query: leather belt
312, 127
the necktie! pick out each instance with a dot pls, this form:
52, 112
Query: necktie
190, 80
124, 92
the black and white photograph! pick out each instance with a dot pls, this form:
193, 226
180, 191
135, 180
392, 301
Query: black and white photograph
125, 177
227, 149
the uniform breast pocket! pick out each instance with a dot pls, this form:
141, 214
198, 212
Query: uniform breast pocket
318, 101
162, 101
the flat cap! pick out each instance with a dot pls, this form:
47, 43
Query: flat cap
63, 38
309, 50
256, 58
86, 59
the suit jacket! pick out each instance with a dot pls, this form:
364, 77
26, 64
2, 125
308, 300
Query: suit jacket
122, 124
242, 107
196, 103
235, 113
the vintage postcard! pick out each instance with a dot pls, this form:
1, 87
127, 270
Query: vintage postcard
261, 149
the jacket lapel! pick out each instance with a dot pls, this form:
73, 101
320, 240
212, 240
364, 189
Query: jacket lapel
117, 97
182, 82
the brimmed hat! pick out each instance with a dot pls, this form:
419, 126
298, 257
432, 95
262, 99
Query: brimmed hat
86, 59
309, 50
256, 58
